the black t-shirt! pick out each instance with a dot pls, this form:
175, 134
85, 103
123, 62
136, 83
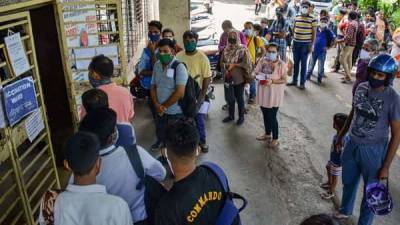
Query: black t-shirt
195, 200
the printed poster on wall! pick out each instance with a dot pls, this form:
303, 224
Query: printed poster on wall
16, 54
19, 99
34, 125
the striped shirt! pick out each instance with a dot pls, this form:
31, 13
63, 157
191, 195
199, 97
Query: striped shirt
303, 27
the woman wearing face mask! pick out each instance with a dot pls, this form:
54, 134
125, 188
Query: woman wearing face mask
235, 63
368, 51
271, 73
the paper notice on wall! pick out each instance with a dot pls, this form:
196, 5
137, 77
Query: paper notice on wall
3, 122
34, 125
108, 50
16, 53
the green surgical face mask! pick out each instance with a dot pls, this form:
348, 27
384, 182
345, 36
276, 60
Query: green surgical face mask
190, 46
165, 58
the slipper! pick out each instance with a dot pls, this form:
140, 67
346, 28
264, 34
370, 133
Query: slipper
325, 185
340, 216
274, 144
264, 138
327, 195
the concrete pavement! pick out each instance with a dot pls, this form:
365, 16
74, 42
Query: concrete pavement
280, 185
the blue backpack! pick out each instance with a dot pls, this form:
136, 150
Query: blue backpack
229, 212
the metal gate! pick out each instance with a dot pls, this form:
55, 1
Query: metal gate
27, 165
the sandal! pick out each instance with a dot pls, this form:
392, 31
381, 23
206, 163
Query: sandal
325, 185
264, 138
327, 195
340, 216
274, 144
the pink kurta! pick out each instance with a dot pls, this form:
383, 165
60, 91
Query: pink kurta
269, 96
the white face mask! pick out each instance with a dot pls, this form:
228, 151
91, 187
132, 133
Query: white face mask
304, 11
323, 25
364, 54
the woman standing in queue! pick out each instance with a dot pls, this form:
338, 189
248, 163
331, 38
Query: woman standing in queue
271, 73
235, 62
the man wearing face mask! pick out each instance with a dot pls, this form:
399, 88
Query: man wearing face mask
270, 11
303, 41
370, 150
146, 65
169, 33
280, 30
117, 173
193, 184
256, 51
101, 70
149, 55
324, 40
199, 68
167, 87
368, 51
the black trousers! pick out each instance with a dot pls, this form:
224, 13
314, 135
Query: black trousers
162, 124
258, 8
271, 121
233, 94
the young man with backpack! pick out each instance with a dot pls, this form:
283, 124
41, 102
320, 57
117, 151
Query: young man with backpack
323, 41
118, 173
199, 194
167, 88
199, 68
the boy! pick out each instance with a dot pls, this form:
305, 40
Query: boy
95, 99
84, 201
324, 40
334, 166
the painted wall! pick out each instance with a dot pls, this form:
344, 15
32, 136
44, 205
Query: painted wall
175, 14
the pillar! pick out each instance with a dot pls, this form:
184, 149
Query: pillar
175, 14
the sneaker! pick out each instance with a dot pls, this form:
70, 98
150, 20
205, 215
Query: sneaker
264, 137
228, 119
240, 121
291, 84
156, 146
302, 87
203, 147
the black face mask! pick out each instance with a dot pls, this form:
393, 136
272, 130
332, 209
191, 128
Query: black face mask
232, 41
375, 83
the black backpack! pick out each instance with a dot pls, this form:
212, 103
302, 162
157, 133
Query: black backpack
189, 103
153, 190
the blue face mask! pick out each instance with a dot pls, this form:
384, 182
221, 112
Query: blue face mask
272, 56
154, 37
96, 83
248, 32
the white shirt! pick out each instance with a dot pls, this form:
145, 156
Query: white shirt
89, 205
117, 174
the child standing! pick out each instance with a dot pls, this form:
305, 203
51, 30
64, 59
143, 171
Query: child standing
334, 166
324, 40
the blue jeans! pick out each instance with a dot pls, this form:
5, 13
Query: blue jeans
360, 160
201, 126
300, 55
253, 89
320, 57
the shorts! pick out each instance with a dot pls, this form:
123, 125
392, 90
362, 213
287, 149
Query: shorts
334, 169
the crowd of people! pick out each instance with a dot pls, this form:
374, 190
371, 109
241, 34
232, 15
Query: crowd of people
116, 181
